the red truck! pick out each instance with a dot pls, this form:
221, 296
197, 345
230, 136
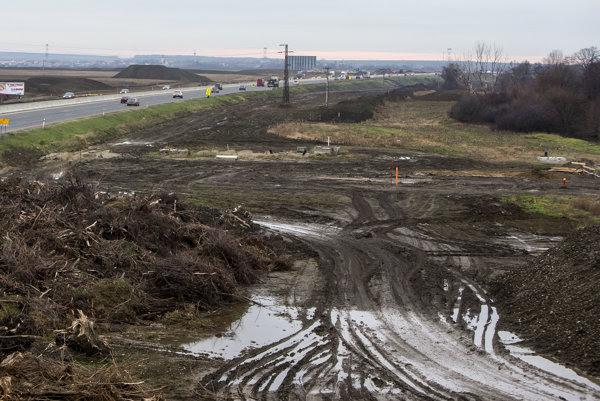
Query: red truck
260, 82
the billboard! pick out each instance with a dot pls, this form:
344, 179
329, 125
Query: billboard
302, 63
12, 88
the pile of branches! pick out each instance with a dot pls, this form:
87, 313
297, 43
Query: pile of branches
66, 248
29, 377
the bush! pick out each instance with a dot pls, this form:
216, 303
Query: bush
478, 109
469, 109
525, 116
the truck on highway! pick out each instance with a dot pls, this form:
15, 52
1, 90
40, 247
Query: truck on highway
273, 82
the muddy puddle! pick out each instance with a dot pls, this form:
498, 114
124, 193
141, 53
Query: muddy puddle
265, 322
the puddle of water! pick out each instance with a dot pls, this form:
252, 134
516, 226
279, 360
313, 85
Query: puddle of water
509, 340
530, 243
261, 325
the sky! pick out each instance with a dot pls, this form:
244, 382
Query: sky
332, 29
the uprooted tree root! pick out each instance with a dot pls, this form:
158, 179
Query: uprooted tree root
68, 253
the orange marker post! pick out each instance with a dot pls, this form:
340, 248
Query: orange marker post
564, 183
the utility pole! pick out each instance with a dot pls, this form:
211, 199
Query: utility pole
327, 88
264, 53
286, 76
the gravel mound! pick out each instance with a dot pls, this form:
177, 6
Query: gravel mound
554, 301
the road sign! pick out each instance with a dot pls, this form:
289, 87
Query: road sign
4, 121
302, 63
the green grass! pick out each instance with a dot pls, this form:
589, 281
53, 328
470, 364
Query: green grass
581, 209
78, 134
424, 125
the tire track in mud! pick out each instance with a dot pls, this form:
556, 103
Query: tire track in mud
372, 337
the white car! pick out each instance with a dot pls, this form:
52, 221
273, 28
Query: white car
178, 95
68, 95
166, 87
123, 91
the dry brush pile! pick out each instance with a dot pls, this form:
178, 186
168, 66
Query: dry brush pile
68, 253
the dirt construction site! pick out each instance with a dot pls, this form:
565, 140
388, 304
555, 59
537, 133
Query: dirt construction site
384, 257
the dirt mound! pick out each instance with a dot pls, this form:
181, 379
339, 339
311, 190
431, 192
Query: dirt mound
554, 302
160, 72
59, 85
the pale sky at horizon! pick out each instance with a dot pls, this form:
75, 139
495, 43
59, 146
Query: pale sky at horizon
335, 29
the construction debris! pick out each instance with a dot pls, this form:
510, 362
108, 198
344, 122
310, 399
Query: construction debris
552, 159
326, 150
576, 168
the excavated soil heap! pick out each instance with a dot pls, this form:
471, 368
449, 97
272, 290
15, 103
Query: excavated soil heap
554, 302
160, 72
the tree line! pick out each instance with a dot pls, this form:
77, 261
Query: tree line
561, 94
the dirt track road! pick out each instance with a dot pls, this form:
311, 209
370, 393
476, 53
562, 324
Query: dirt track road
393, 311
369, 332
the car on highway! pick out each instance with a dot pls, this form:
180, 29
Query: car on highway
218, 86
133, 101
178, 94
242, 87
124, 91
68, 95
124, 99
166, 87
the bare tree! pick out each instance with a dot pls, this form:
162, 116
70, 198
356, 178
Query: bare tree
586, 57
555, 57
482, 68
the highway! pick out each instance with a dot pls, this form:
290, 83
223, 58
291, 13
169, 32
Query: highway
38, 114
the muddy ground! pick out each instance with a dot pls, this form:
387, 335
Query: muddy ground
392, 302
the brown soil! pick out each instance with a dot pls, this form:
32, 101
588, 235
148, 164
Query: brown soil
554, 300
